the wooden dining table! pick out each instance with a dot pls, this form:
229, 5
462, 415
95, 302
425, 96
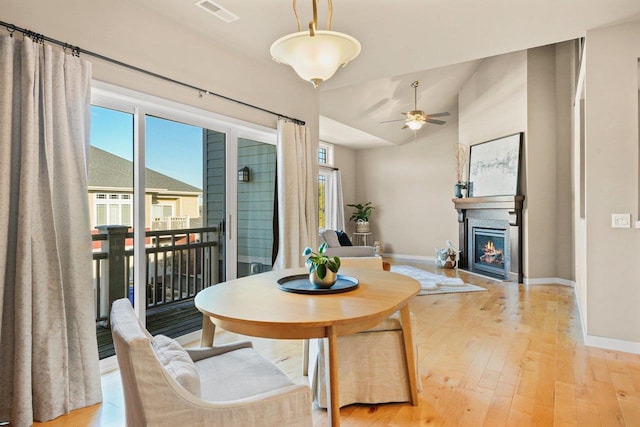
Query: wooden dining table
258, 306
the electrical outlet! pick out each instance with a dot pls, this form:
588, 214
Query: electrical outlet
637, 224
620, 220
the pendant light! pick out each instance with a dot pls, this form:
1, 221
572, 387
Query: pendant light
315, 55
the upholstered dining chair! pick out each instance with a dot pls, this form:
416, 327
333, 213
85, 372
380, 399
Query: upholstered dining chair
231, 385
371, 364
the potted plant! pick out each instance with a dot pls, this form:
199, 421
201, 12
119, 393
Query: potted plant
361, 216
323, 270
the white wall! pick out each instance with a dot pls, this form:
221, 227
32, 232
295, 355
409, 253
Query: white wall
411, 187
541, 166
493, 102
613, 270
126, 31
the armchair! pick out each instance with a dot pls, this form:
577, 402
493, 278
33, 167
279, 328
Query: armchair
232, 385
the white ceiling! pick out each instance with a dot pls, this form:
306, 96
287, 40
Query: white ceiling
438, 42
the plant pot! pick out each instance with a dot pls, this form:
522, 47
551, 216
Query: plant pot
362, 226
328, 281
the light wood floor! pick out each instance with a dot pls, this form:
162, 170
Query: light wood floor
511, 356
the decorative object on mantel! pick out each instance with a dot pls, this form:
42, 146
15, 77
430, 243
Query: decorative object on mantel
462, 155
432, 284
494, 167
323, 270
315, 55
361, 216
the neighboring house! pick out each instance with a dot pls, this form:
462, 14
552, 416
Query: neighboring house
170, 203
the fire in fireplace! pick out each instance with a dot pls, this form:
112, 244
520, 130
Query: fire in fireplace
490, 254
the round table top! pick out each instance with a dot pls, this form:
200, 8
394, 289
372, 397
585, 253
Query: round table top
258, 301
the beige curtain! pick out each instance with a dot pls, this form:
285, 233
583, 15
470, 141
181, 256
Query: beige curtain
48, 354
297, 164
335, 204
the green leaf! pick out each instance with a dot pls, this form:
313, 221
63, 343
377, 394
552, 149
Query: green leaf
323, 248
321, 271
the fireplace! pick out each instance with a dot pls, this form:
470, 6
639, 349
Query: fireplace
487, 251
490, 233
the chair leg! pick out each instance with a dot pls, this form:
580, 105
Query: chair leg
305, 358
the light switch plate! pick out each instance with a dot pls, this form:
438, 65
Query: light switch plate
637, 224
620, 220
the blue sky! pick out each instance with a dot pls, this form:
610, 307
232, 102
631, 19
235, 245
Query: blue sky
174, 149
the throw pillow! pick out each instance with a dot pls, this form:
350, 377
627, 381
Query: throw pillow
343, 238
331, 238
177, 362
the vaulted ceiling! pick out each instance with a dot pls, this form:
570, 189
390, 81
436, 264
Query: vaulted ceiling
438, 42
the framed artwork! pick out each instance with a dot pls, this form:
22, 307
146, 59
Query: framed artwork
494, 167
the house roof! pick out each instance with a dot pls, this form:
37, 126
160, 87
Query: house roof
111, 171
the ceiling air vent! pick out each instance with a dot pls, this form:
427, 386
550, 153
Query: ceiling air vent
217, 10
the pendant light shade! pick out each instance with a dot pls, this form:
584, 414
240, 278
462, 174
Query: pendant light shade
315, 54
315, 58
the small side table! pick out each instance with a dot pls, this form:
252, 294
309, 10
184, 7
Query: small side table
360, 239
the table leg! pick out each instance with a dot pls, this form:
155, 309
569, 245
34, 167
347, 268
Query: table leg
331, 377
208, 330
407, 336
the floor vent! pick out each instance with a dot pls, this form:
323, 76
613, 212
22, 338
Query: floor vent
217, 10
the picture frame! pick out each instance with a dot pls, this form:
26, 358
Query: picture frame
494, 167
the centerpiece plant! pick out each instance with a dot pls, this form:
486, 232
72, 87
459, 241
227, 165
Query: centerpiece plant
323, 270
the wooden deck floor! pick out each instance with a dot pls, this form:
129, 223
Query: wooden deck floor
172, 320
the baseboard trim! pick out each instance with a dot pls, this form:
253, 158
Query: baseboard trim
612, 344
549, 281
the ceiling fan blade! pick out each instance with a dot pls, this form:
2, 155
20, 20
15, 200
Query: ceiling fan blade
436, 122
389, 121
438, 114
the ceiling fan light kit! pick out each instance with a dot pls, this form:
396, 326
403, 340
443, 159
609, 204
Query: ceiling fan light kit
315, 55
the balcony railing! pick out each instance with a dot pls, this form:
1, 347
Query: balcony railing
179, 263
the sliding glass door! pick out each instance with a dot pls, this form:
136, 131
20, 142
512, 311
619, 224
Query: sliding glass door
182, 205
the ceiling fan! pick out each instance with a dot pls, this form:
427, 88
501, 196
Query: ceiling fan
416, 118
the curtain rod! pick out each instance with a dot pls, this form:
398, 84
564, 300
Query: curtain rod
76, 51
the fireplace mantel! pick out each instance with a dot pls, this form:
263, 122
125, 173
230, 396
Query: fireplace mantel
490, 202
507, 209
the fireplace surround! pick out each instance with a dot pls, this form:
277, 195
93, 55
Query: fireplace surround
490, 235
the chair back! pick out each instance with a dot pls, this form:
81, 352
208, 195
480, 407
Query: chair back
132, 343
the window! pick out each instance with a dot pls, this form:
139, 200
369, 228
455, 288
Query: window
322, 155
112, 209
322, 199
325, 178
